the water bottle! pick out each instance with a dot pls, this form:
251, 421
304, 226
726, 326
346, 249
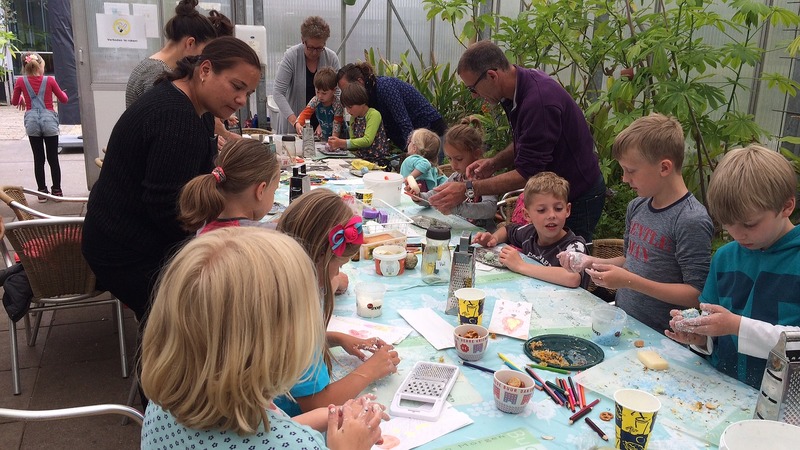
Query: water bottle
436, 259
308, 140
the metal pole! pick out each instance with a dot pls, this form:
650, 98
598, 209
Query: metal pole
342, 31
759, 67
408, 35
432, 55
389, 7
353, 27
261, 90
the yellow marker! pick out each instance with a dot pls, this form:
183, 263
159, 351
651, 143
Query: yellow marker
508, 362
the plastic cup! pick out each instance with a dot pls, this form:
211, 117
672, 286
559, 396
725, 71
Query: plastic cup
365, 196
607, 324
470, 305
369, 299
470, 349
635, 416
508, 398
749, 434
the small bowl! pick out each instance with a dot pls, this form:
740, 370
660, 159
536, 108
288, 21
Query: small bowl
390, 260
471, 349
512, 399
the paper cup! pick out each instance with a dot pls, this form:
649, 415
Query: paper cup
607, 324
470, 349
750, 434
635, 415
470, 305
369, 299
365, 195
512, 399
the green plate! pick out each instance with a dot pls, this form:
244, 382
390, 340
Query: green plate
579, 352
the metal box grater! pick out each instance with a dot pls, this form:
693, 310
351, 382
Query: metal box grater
424, 391
779, 398
462, 274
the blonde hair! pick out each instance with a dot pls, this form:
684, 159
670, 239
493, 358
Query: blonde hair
748, 181
427, 144
309, 219
656, 137
467, 136
244, 163
224, 334
546, 183
32, 64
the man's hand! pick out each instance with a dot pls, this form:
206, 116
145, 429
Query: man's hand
447, 196
481, 169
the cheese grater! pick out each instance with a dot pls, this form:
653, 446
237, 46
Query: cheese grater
424, 391
462, 274
779, 398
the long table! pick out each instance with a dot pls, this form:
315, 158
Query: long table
697, 401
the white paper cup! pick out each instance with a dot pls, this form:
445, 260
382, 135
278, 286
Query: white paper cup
369, 299
753, 434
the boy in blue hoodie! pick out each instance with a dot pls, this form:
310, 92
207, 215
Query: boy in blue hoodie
752, 293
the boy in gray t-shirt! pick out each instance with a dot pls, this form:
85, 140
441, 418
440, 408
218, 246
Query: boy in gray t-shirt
667, 231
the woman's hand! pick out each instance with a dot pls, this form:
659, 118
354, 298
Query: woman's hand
485, 239
298, 128
354, 426
383, 362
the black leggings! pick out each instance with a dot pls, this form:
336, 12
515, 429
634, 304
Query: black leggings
38, 145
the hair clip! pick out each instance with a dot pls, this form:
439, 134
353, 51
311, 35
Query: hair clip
351, 233
219, 174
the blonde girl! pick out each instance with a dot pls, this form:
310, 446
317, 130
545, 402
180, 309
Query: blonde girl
421, 162
331, 235
34, 93
463, 145
239, 191
223, 341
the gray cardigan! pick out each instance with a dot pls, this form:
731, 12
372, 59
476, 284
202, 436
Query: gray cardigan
289, 90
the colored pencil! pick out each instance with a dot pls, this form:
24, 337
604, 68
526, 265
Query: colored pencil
546, 388
508, 362
556, 387
550, 369
583, 394
596, 429
475, 366
574, 392
585, 410
569, 394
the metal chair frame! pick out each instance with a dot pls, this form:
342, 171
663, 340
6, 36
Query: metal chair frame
69, 413
14, 197
50, 291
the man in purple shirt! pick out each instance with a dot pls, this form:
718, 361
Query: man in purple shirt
550, 133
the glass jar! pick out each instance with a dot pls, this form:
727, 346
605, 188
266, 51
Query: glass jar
436, 259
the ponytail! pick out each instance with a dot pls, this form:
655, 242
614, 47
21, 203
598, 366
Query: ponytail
200, 202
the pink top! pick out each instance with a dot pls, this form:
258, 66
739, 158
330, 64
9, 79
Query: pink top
52, 88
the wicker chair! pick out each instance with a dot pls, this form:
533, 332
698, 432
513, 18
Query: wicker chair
605, 248
14, 197
69, 413
254, 131
446, 169
50, 252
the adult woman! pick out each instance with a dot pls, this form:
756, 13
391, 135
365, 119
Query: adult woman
294, 82
160, 143
402, 107
187, 33
235, 322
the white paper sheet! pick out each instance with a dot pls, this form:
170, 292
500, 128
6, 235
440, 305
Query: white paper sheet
427, 323
150, 14
365, 329
511, 318
402, 433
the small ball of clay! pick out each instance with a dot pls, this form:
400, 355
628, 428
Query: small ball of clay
638, 343
411, 261
515, 382
471, 334
490, 256
690, 313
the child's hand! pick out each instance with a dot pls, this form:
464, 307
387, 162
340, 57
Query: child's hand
340, 283
718, 322
382, 363
609, 276
682, 333
575, 262
509, 257
318, 131
336, 142
354, 425
354, 346
485, 239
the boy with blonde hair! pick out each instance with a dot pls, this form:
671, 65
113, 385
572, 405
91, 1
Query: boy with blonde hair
544, 236
751, 294
667, 247
325, 106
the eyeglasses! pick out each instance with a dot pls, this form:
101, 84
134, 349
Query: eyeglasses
313, 49
480, 78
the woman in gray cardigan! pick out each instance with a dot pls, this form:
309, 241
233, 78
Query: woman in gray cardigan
294, 82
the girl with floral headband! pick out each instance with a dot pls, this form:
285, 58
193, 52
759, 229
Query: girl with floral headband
325, 226
34, 93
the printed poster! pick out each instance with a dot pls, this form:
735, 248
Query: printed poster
121, 31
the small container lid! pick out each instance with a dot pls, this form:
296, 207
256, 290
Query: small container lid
439, 233
287, 137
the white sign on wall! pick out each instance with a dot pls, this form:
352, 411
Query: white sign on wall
121, 31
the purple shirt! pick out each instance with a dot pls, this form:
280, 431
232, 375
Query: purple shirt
550, 132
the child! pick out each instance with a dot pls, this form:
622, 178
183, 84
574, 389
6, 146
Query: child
325, 104
235, 323
331, 235
41, 120
366, 127
238, 192
545, 235
422, 160
667, 231
751, 293
463, 145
